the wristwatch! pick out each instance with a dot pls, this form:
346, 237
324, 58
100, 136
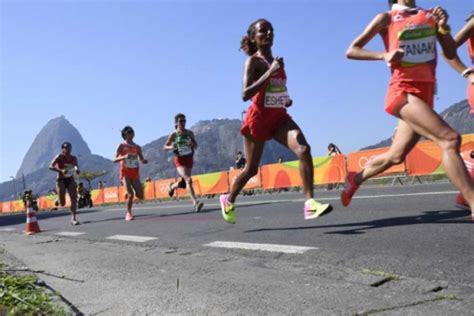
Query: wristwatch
467, 72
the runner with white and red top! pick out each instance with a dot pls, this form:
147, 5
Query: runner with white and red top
130, 155
410, 34
67, 167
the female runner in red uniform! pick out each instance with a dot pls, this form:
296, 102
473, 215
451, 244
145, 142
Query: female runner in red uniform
466, 34
265, 84
66, 166
129, 155
410, 35
183, 143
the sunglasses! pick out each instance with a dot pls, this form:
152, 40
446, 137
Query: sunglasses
181, 121
66, 147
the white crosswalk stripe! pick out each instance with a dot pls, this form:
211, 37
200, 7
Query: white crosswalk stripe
262, 247
70, 234
131, 238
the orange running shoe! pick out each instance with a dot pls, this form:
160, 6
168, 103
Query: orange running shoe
350, 187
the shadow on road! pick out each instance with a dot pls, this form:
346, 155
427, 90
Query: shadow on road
15, 219
431, 217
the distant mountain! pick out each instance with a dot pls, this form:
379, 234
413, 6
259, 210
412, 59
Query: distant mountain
34, 172
457, 116
48, 141
219, 141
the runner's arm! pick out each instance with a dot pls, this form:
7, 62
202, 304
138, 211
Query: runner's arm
169, 144
356, 49
118, 154
76, 165
251, 84
140, 155
53, 165
194, 143
460, 38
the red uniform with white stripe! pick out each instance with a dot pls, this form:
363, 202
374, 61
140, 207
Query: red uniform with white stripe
268, 109
129, 167
414, 31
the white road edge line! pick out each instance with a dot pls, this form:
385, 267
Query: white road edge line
71, 234
289, 200
262, 247
7, 229
131, 238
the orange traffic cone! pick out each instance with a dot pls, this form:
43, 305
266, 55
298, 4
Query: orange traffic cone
32, 226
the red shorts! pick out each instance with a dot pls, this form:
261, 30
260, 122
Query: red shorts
470, 96
186, 162
130, 173
262, 124
397, 94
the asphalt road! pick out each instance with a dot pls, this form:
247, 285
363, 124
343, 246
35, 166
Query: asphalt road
403, 250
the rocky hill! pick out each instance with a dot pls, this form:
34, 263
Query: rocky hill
457, 116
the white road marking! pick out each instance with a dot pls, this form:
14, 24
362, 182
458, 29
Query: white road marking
70, 234
156, 207
262, 247
7, 229
131, 238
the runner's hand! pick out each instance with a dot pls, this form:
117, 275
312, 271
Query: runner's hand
393, 56
441, 16
276, 64
289, 103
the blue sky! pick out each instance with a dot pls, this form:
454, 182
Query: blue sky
105, 64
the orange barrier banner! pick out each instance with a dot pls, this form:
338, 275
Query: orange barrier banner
97, 196
329, 169
1, 207
254, 183
357, 161
6, 207
424, 159
17, 206
111, 195
149, 190
161, 188
47, 202
211, 183
281, 175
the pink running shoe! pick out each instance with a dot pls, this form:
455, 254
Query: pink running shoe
129, 217
350, 188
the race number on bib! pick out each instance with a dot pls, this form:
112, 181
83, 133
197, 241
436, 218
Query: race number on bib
419, 45
131, 161
69, 171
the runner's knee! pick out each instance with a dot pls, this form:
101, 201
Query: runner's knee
250, 171
451, 141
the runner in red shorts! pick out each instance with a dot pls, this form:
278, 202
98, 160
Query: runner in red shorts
410, 35
183, 143
466, 34
65, 164
265, 83
129, 155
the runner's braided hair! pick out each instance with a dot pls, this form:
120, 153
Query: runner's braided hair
246, 43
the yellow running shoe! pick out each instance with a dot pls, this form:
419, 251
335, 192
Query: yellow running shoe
227, 209
314, 209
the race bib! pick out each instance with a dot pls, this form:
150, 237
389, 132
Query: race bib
69, 170
276, 94
419, 45
131, 161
